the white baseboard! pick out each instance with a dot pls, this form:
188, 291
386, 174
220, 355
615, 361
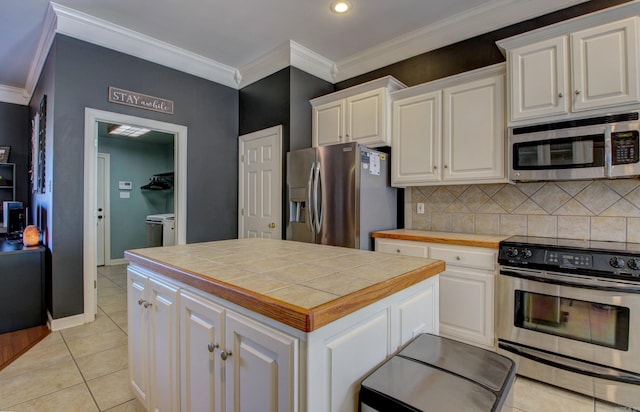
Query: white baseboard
113, 262
64, 323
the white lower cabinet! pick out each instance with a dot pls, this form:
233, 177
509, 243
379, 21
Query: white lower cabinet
260, 368
466, 291
190, 351
153, 341
201, 334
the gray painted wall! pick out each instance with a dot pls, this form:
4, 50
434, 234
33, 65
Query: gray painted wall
135, 161
282, 98
77, 75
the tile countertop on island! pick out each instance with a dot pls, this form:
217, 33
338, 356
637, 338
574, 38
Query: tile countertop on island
302, 285
450, 238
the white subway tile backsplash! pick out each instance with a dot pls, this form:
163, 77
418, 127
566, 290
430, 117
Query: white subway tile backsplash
594, 209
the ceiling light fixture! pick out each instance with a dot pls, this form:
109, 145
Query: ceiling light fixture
126, 130
340, 7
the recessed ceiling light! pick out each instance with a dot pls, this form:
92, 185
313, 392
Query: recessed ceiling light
340, 7
126, 130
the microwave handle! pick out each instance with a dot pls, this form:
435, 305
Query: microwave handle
608, 151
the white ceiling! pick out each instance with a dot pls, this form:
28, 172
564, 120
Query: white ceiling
237, 34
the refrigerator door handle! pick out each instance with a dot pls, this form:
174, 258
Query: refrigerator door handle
310, 215
317, 207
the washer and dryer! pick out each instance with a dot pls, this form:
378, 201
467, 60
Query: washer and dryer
161, 229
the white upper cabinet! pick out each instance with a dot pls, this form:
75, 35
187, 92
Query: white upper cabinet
450, 131
539, 84
357, 114
473, 131
417, 131
584, 66
605, 65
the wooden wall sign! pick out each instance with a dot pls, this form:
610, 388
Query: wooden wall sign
143, 101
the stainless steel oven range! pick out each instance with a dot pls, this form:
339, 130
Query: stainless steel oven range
568, 314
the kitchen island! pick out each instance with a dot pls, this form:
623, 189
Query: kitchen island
269, 325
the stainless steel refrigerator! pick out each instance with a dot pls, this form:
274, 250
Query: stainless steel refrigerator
339, 194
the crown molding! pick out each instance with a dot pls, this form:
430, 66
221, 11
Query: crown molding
287, 54
93, 30
473, 22
14, 95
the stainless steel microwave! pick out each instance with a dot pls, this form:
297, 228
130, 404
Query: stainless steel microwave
592, 148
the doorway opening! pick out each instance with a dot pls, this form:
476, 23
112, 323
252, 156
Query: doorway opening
123, 188
135, 187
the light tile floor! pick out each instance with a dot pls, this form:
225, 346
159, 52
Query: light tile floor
85, 368
77, 369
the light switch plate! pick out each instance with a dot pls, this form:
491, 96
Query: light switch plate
420, 208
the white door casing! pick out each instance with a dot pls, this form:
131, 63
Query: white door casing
260, 184
91, 119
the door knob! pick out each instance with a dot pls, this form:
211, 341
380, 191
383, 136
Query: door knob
99, 216
272, 225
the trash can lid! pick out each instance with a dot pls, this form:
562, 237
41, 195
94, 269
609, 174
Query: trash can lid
479, 365
403, 385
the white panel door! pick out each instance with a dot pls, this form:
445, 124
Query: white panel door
416, 137
137, 321
473, 131
260, 369
201, 337
163, 339
539, 84
328, 123
605, 65
261, 184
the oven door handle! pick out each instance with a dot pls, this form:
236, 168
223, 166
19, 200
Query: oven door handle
570, 364
573, 281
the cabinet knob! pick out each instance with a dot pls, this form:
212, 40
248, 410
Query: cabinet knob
445, 166
435, 167
224, 354
578, 92
347, 135
397, 250
212, 346
141, 302
457, 257
147, 304
560, 95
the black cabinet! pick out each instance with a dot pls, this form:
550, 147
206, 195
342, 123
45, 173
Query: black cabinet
22, 286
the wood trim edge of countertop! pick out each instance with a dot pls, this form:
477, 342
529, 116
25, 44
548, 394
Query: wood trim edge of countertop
461, 241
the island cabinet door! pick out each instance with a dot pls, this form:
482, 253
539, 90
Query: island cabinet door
261, 367
201, 323
137, 319
163, 339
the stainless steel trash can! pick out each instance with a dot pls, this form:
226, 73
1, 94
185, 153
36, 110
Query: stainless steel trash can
439, 374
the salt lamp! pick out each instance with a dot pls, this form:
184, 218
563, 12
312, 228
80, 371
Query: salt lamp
31, 236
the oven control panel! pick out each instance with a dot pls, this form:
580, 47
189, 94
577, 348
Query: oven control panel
581, 260
615, 264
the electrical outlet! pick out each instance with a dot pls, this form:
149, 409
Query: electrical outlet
420, 208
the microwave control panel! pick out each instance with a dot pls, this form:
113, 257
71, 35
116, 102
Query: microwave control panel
625, 147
